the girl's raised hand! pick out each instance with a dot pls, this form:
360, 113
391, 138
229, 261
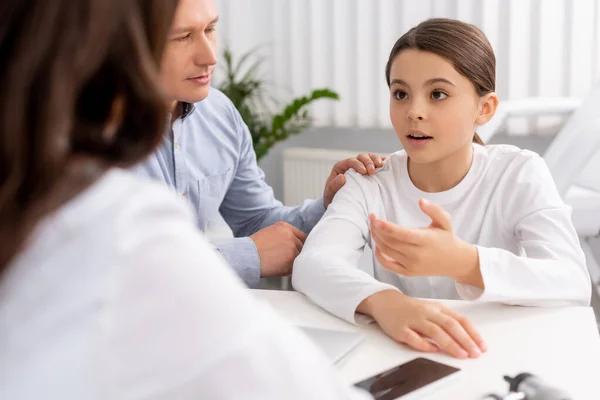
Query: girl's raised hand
431, 251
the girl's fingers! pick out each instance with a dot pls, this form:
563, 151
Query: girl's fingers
442, 339
458, 333
393, 233
417, 342
389, 264
468, 327
394, 252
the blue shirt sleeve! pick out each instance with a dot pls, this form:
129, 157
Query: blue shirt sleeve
250, 204
241, 254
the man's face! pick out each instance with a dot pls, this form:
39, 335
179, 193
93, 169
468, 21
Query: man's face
191, 52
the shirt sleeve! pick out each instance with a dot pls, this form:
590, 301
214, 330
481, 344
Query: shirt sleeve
242, 255
250, 204
180, 324
551, 269
327, 268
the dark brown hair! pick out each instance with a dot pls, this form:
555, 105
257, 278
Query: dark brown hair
63, 66
462, 44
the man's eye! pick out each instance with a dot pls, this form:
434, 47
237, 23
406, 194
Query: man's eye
183, 38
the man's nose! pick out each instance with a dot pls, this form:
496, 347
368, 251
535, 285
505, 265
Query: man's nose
206, 52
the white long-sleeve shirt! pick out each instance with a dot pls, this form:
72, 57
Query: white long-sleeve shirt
118, 296
507, 205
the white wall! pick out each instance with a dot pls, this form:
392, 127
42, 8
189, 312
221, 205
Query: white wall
344, 45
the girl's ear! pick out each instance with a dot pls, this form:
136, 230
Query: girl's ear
488, 105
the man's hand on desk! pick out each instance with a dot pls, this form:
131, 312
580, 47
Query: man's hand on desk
278, 246
417, 323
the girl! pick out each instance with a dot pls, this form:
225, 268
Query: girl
447, 217
107, 289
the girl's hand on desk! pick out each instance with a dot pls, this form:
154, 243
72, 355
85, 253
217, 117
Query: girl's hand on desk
431, 251
418, 323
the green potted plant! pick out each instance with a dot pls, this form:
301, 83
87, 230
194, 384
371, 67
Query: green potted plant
247, 92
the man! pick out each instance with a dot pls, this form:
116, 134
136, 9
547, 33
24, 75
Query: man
208, 158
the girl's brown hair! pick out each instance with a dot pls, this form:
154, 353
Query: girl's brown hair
63, 66
463, 44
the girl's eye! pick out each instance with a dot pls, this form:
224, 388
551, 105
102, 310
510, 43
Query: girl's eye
400, 95
437, 95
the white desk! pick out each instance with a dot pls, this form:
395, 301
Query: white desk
560, 345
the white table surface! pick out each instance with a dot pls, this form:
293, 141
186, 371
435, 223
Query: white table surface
561, 345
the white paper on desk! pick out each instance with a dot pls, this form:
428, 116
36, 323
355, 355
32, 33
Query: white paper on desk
335, 344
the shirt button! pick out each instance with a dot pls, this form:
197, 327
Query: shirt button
183, 195
176, 146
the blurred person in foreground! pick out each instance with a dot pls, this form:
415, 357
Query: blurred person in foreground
107, 289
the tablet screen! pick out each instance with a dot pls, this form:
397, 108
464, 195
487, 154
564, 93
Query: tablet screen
406, 378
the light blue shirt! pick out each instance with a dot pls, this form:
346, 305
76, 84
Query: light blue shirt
208, 158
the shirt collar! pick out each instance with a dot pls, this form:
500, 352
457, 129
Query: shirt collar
186, 109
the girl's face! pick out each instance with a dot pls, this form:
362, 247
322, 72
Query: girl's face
433, 108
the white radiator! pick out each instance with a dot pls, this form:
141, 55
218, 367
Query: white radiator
305, 171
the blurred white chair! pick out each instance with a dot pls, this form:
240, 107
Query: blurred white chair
573, 158
531, 107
